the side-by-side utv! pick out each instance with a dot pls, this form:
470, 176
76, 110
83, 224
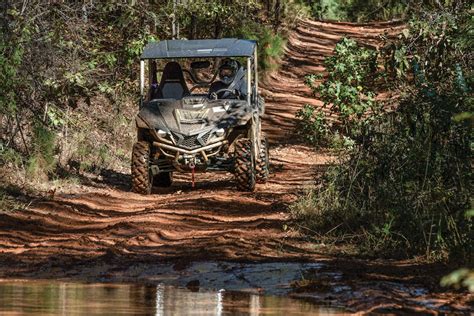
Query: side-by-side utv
200, 111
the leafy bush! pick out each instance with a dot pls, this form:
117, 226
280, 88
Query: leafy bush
10, 157
405, 186
313, 126
42, 160
271, 44
358, 10
11, 54
241, 19
328, 9
271, 49
460, 278
346, 91
214, 18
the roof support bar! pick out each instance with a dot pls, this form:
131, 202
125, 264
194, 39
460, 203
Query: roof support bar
249, 80
142, 77
255, 73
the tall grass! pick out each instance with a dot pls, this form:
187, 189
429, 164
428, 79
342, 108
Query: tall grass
42, 160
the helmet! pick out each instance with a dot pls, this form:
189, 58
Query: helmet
227, 70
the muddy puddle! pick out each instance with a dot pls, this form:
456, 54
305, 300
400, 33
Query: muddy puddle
213, 288
199, 288
68, 298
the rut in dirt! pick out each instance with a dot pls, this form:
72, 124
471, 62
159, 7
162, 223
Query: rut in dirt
213, 221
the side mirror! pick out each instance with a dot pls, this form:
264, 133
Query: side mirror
200, 64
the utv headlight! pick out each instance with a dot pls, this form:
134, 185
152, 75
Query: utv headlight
220, 132
161, 133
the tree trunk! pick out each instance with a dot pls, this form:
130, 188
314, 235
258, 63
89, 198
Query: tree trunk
4, 16
153, 24
217, 27
193, 27
277, 20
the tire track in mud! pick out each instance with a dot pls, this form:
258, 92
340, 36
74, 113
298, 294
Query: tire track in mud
213, 221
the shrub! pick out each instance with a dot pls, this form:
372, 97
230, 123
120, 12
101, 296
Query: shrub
359, 10
404, 187
271, 44
312, 125
10, 157
42, 160
346, 91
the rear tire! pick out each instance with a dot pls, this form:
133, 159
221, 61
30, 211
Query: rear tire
263, 162
141, 173
244, 170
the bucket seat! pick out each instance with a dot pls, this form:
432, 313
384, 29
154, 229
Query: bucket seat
172, 84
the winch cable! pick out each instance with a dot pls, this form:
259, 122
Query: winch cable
192, 166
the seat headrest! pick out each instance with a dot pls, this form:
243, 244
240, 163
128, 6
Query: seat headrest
172, 83
172, 71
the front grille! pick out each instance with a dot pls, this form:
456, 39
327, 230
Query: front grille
205, 137
191, 142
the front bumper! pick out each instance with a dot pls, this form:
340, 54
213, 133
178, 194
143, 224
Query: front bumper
172, 150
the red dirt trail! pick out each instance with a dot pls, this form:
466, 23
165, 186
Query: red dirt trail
103, 221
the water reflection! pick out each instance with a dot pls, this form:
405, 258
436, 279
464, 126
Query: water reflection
59, 298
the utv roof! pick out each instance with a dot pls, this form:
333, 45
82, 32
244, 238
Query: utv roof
226, 47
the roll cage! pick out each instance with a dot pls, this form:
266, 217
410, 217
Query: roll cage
177, 50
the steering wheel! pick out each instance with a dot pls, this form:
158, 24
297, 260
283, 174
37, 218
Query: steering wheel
215, 95
199, 85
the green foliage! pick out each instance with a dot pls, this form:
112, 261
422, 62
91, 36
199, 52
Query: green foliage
10, 157
328, 9
215, 18
54, 116
359, 10
93, 158
271, 45
313, 126
311, 208
57, 57
42, 160
373, 10
271, 49
346, 91
9, 203
377, 10
11, 54
460, 278
463, 277
404, 187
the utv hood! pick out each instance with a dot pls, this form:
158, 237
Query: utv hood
191, 116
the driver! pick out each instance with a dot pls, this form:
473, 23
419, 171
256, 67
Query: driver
230, 77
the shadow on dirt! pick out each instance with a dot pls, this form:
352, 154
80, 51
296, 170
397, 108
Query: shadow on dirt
94, 176
117, 180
